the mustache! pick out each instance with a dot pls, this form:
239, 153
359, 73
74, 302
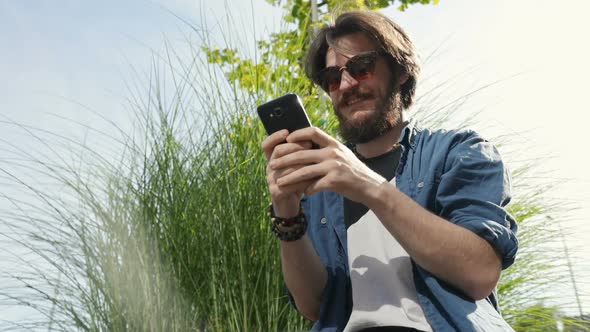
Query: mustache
356, 93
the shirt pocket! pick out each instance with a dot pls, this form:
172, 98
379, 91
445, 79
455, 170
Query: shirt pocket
425, 189
326, 242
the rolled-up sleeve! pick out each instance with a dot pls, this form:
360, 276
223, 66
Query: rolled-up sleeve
473, 191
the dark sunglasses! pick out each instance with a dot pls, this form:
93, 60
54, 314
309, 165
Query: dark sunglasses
360, 67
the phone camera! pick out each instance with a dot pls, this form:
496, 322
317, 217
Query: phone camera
278, 112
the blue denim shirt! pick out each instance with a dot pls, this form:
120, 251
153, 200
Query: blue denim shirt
455, 174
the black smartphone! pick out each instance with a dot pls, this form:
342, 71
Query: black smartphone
285, 112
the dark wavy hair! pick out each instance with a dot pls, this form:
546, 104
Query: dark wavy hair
389, 38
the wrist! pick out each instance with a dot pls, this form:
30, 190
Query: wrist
372, 190
286, 210
382, 197
288, 229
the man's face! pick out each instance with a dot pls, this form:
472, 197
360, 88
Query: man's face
365, 107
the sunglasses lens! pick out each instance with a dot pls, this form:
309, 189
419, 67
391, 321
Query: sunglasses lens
330, 78
360, 67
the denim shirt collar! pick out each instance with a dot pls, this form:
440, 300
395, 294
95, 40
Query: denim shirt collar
408, 134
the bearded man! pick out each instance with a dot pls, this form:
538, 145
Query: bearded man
402, 228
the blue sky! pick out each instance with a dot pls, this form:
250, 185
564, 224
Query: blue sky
59, 55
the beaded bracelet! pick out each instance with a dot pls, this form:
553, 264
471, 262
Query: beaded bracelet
299, 224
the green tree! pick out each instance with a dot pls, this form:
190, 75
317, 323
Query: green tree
281, 55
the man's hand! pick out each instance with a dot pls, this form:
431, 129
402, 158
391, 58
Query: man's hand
331, 167
285, 198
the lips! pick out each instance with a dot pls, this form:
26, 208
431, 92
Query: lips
351, 99
357, 102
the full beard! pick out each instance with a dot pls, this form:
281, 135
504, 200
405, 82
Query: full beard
386, 117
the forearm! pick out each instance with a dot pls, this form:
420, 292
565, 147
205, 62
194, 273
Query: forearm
450, 252
304, 275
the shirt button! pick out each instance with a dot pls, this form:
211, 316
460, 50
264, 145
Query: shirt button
323, 221
420, 184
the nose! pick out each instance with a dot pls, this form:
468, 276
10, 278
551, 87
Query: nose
347, 82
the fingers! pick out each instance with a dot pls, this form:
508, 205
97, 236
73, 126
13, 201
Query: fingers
312, 156
285, 149
272, 141
303, 174
273, 175
274, 146
282, 193
281, 172
309, 181
312, 134
294, 167
316, 186
296, 159
298, 149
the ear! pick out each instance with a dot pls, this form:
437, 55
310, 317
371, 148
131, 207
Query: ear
403, 79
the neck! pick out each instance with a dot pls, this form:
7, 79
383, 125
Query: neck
381, 144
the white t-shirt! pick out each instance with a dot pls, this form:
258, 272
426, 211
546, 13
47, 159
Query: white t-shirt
383, 291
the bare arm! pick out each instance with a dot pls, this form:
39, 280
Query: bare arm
451, 252
303, 271
304, 275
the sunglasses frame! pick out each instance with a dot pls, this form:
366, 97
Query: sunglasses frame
366, 69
